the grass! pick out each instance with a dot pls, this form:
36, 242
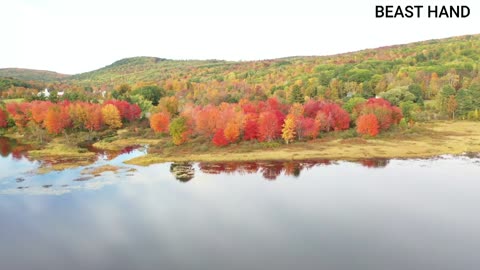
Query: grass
58, 149
58, 156
116, 145
424, 140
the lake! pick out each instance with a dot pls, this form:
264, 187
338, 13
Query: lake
317, 214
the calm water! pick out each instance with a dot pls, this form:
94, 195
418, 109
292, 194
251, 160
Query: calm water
397, 214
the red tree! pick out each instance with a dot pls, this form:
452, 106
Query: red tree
311, 108
333, 117
251, 127
206, 121
268, 126
386, 113
128, 112
20, 113
3, 118
219, 138
57, 119
310, 127
368, 124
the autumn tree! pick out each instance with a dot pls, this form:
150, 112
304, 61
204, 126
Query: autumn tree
168, 104
94, 121
159, 122
111, 116
219, 138
79, 114
288, 130
3, 118
386, 113
38, 110
268, 126
121, 92
206, 121
232, 132
368, 124
250, 127
19, 112
452, 106
310, 128
179, 130
57, 119
128, 112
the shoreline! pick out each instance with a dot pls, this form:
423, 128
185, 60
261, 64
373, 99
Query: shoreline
433, 139
425, 140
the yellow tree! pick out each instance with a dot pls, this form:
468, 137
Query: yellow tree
232, 132
111, 116
288, 130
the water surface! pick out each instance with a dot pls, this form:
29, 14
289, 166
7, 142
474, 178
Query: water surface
397, 214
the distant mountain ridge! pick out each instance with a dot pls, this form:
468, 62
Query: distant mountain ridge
31, 74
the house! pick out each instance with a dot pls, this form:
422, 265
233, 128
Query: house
44, 93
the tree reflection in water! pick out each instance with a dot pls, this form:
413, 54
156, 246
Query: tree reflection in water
375, 162
182, 171
109, 154
270, 170
12, 147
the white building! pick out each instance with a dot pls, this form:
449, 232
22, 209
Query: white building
46, 93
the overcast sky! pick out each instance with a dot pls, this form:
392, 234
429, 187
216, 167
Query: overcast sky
78, 36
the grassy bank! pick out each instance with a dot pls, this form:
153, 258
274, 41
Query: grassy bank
58, 155
424, 140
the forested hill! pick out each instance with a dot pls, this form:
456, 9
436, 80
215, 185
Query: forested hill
426, 67
143, 69
371, 71
31, 74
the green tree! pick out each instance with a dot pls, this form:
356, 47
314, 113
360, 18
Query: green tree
416, 90
408, 109
296, 95
53, 96
152, 93
443, 96
397, 95
144, 104
351, 103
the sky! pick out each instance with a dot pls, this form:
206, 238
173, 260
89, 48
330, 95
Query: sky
78, 36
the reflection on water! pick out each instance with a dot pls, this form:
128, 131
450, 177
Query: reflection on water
10, 147
270, 170
19, 171
111, 154
183, 171
411, 214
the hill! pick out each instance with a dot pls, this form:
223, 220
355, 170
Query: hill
31, 74
428, 65
135, 69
